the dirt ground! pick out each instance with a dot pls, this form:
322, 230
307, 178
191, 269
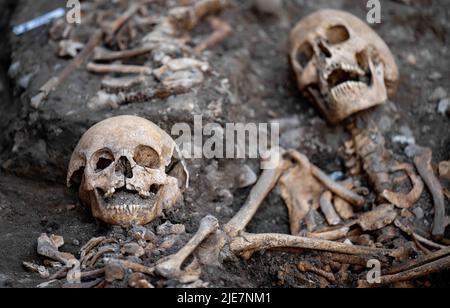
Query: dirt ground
35, 145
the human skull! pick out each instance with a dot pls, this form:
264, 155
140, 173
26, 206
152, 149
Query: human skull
341, 64
120, 164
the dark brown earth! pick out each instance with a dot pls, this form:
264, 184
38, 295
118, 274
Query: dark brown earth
36, 145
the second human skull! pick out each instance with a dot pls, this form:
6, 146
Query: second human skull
341, 64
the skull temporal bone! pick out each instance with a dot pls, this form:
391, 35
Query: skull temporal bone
123, 161
341, 64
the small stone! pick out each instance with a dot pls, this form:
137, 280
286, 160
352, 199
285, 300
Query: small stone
76, 242
247, 177
438, 94
5, 281
272, 7
132, 249
404, 140
170, 229
444, 169
114, 272
24, 81
444, 107
411, 59
14, 70
435, 76
141, 234
418, 212
139, 281
225, 197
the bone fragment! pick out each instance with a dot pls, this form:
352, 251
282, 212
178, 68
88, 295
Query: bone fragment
406, 201
308, 267
102, 54
222, 30
328, 210
171, 267
118, 69
48, 247
418, 237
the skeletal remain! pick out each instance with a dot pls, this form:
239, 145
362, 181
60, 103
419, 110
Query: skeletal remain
444, 170
122, 164
345, 68
102, 54
41, 270
48, 247
188, 17
84, 285
118, 69
308, 267
401, 200
411, 274
245, 245
331, 185
341, 64
377, 219
422, 160
345, 258
138, 281
122, 84
343, 208
180, 64
222, 30
300, 199
328, 209
259, 192
171, 267
82, 57
184, 73
416, 236
422, 260
69, 48
333, 235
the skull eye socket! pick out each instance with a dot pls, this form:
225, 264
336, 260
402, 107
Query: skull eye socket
146, 157
304, 54
337, 35
102, 160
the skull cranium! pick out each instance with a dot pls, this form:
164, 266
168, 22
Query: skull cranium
341, 64
121, 167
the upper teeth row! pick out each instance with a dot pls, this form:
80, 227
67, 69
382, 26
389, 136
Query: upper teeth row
346, 67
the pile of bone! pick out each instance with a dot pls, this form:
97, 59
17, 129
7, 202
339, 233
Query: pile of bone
116, 260
145, 52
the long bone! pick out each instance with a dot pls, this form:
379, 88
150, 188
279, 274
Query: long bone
422, 160
171, 267
247, 244
263, 187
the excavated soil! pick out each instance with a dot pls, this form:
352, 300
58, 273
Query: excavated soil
35, 145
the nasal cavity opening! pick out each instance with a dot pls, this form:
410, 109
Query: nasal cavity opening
124, 167
325, 50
